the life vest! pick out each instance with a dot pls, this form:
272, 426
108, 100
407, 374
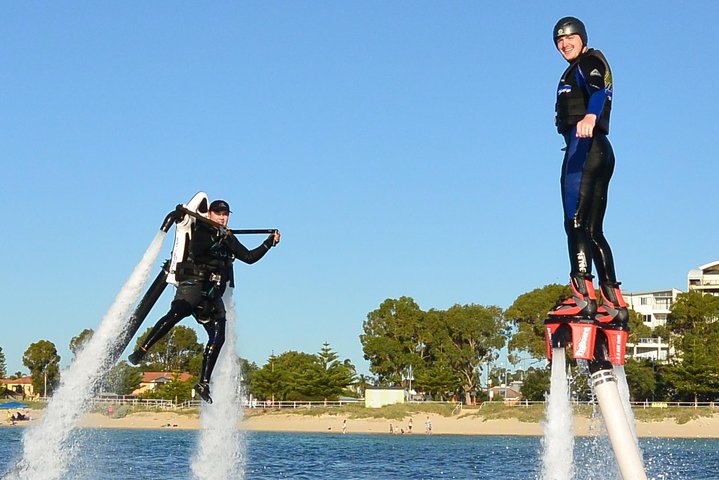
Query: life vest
572, 100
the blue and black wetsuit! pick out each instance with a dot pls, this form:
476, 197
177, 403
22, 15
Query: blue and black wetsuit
586, 87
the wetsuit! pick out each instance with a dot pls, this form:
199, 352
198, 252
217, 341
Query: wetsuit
586, 87
203, 278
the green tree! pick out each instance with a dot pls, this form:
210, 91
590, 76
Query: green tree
696, 376
528, 313
394, 338
694, 329
248, 370
535, 384
78, 342
333, 376
43, 361
469, 336
176, 351
285, 377
692, 311
641, 379
3, 366
123, 379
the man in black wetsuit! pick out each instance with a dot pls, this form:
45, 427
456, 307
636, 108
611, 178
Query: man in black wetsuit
203, 278
584, 100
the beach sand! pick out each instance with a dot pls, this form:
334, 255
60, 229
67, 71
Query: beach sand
705, 427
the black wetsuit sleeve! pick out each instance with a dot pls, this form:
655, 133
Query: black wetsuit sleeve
244, 254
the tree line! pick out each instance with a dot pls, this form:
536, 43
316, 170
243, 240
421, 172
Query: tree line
439, 353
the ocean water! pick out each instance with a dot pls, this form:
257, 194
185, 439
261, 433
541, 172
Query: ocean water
166, 454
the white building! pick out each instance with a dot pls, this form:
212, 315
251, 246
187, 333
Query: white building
654, 348
705, 279
652, 306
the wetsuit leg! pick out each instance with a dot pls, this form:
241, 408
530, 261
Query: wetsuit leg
587, 169
602, 156
188, 295
575, 201
216, 338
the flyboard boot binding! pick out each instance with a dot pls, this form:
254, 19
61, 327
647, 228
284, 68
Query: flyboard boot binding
613, 319
572, 321
578, 319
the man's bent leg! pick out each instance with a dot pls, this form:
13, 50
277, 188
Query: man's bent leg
179, 310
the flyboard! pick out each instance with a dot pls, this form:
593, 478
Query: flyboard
184, 217
602, 345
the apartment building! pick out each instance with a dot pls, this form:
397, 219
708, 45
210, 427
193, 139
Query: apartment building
705, 279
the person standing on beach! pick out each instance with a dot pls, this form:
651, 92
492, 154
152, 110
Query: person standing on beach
428, 426
584, 102
203, 279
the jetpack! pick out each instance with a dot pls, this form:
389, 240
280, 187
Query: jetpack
184, 217
602, 343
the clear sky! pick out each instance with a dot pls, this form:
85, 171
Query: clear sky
403, 148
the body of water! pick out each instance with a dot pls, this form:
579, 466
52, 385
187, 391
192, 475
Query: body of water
166, 454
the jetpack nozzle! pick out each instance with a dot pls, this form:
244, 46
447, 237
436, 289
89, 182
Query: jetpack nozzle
173, 217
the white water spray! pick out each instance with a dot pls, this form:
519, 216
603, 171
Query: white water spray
220, 453
47, 449
558, 455
626, 399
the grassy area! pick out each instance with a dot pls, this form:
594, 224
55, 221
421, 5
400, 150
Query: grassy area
488, 411
390, 412
681, 415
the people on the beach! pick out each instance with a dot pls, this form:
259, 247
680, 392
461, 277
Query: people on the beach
203, 279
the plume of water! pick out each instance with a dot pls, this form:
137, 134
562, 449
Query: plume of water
623, 387
558, 441
220, 453
48, 448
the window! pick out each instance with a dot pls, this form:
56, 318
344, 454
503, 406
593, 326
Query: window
647, 318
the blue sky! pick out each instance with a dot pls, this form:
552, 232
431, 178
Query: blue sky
403, 148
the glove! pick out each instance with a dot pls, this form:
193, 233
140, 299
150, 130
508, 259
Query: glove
223, 232
270, 241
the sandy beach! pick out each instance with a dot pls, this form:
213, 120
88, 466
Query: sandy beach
705, 427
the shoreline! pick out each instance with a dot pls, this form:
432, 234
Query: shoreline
704, 427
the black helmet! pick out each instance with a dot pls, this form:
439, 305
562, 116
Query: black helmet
570, 26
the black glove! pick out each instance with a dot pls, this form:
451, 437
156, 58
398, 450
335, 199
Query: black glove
270, 241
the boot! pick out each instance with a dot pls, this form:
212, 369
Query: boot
613, 308
583, 302
203, 390
136, 357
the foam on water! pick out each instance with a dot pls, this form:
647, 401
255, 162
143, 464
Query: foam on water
48, 448
220, 454
558, 441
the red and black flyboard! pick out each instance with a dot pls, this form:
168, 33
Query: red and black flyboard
599, 336
184, 217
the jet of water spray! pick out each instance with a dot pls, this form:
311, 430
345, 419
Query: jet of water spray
623, 387
220, 453
48, 447
558, 442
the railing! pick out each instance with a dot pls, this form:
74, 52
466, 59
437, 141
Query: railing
290, 405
